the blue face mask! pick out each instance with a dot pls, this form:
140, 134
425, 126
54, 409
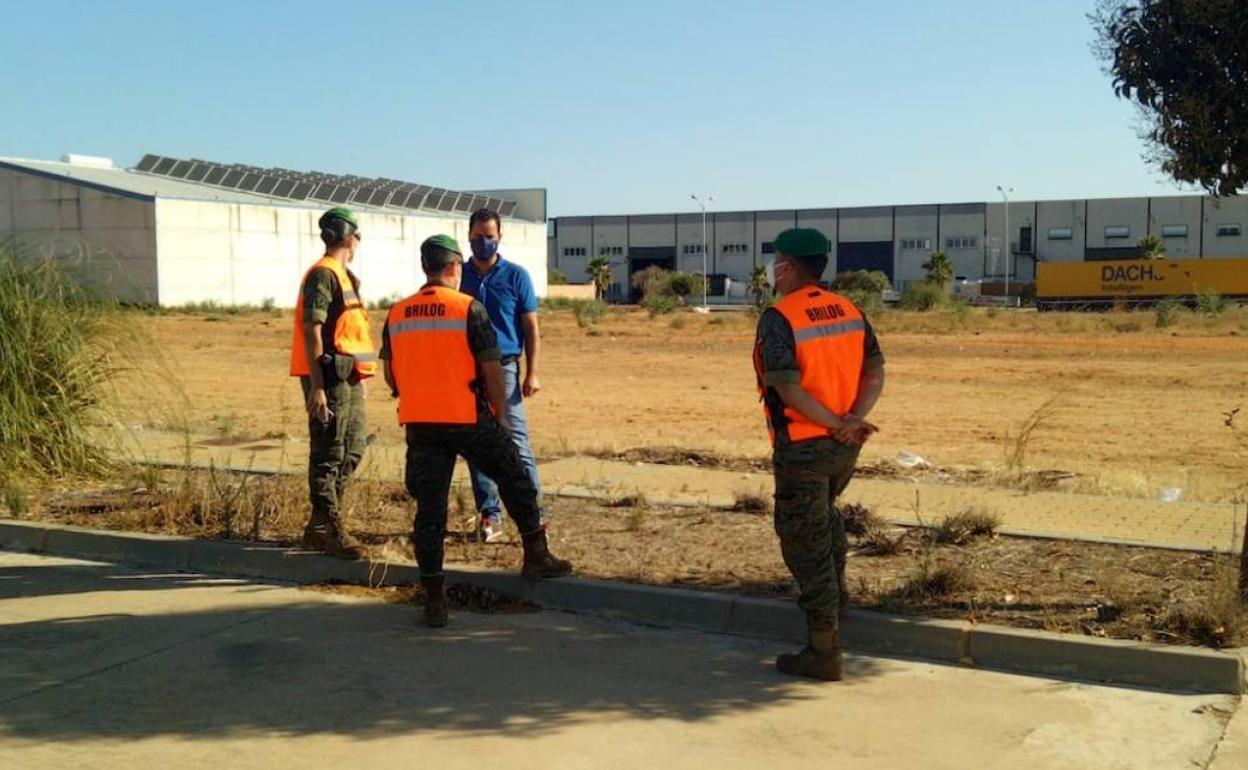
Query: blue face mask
483, 249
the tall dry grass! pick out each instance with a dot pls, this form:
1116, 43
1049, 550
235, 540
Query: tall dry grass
60, 348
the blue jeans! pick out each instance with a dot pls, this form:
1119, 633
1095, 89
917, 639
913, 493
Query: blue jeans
483, 487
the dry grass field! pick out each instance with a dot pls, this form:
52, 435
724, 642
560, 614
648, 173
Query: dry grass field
1137, 408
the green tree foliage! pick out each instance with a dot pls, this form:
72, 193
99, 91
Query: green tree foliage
939, 269
599, 271
759, 285
865, 288
1152, 247
1185, 63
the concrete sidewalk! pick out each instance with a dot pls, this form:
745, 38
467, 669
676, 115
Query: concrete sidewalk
114, 667
1182, 525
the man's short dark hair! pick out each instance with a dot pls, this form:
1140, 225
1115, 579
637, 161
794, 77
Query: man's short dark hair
811, 268
485, 215
435, 259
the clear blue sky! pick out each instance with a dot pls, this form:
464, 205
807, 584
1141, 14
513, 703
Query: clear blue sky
620, 107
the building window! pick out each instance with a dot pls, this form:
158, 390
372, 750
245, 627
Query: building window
769, 247
574, 251
1231, 231
916, 244
1174, 231
1061, 233
961, 242
734, 248
1113, 232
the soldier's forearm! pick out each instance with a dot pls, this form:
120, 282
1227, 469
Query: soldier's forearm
796, 398
314, 349
870, 387
495, 388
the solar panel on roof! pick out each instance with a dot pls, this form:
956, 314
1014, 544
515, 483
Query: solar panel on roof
180, 169
300, 192
464, 203
148, 162
283, 188
323, 191
200, 170
249, 181
448, 201
267, 184
380, 196
164, 165
342, 194
507, 208
215, 175
362, 194
232, 178
433, 198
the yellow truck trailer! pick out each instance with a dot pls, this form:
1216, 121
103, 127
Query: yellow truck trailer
1136, 281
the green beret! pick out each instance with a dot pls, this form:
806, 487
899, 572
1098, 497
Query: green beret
440, 242
802, 242
339, 212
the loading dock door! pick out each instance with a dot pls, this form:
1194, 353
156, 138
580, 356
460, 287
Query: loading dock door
866, 255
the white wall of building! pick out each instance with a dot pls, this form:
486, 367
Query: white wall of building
238, 254
734, 251
108, 238
962, 228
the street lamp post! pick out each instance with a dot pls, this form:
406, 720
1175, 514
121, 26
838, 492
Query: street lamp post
706, 279
1009, 250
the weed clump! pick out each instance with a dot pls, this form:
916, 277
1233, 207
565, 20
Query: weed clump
751, 502
59, 351
964, 527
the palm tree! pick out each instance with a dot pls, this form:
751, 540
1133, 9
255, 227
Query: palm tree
599, 271
759, 285
939, 268
1152, 247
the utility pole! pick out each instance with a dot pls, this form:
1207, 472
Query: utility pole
1009, 250
706, 279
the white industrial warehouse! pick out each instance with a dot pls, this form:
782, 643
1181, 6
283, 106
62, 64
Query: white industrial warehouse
897, 240
172, 232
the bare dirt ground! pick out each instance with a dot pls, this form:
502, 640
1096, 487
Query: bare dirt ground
1138, 409
1101, 590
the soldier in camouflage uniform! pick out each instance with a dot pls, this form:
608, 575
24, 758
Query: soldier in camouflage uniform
820, 372
442, 360
332, 355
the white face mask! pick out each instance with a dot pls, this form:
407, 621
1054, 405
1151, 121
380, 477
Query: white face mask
771, 273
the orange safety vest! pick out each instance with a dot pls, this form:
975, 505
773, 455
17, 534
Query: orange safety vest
830, 333
434, 369
351, 335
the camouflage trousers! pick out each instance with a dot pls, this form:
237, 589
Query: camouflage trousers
337, 447
431, 453
810, 475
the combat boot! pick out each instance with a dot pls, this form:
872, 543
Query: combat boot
539, 563
332, 539
435, 600
821, 658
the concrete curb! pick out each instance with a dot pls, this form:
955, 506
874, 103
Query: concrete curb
1063, 656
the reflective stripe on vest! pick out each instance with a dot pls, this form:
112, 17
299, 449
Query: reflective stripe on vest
351, 334
830, 334
434, 369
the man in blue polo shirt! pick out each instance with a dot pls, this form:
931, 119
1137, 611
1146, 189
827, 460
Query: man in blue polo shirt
507, 293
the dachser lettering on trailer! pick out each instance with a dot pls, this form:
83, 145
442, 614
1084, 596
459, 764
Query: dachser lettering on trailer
825, 313
1129, 274
424, 311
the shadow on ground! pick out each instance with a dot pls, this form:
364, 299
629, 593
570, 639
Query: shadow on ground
198, 660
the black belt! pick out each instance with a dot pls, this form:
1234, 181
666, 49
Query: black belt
509, 360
